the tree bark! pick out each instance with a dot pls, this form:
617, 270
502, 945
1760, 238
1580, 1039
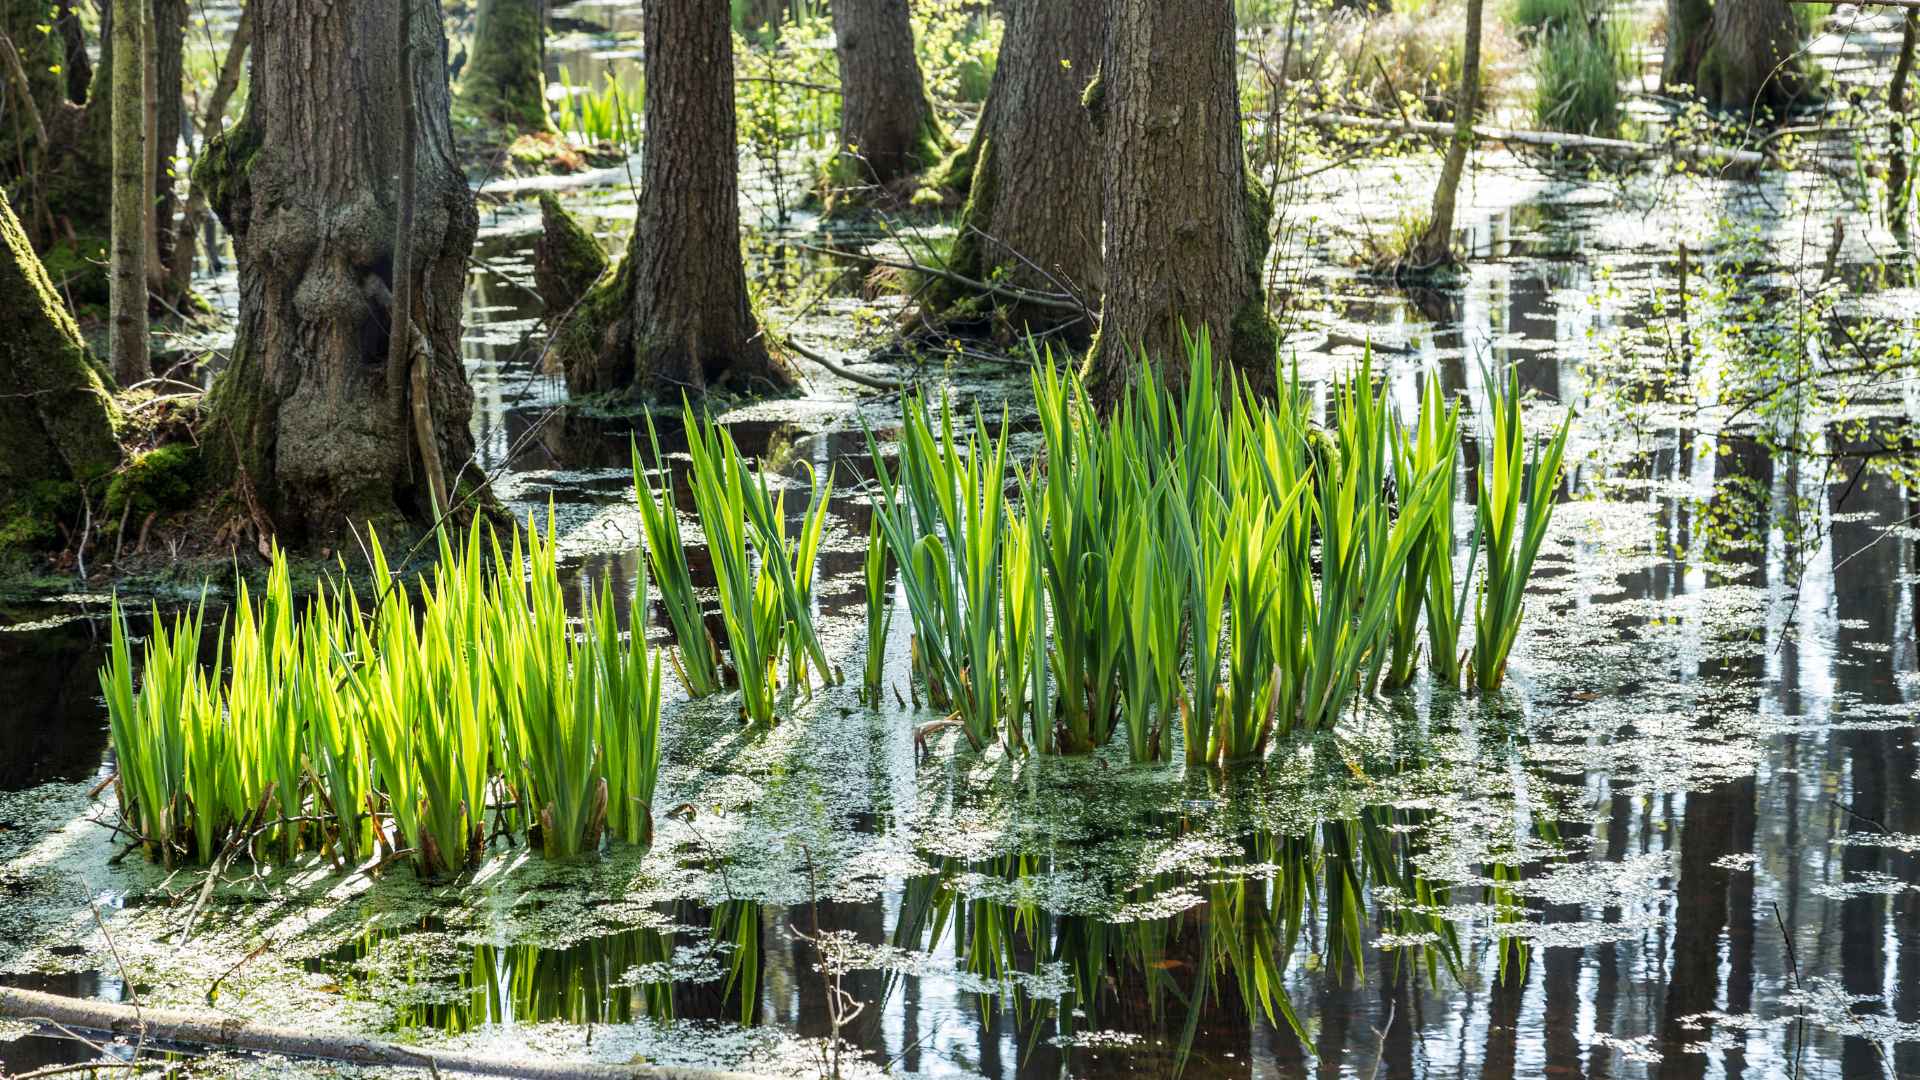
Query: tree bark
56, 415
674, 316
887, 127
1033, 213
1435, 247
311, 418
1185, 225
132, 196
1687, 25
504, 83
169, 109
1899, 197
1749, 59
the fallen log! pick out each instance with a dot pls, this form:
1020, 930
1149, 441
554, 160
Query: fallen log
1558, 140
182, 1028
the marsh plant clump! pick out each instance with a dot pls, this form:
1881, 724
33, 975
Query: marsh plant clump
398, 727
1205, 560
765, 574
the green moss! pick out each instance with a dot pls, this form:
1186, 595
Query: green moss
224, 168
567, 260
580, 337
77, 268
158, 480
56, 417
968, 256
30, 521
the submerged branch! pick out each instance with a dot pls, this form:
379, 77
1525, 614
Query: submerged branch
1554, 139
1025, 296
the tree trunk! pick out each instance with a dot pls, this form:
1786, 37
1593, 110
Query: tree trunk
132, 196
1435, 246
169, 109
1899, 197
78, 68
504, 84
673, 316
1034, 209
1185, 226
887, 127
311, 421
56, 421
1750, 61
1687, 24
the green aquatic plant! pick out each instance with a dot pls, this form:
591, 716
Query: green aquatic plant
397, 728
878, 570
697, 659
1431, 446
945, 523
1510, 528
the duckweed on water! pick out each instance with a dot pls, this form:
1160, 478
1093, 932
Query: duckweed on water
350, 731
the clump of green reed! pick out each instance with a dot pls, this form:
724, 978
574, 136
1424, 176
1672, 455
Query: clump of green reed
346, 730
1205, 558
607, 113
945, 524
1510, 528
765, 575
1577, 72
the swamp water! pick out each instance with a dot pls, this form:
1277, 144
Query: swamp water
1684, 842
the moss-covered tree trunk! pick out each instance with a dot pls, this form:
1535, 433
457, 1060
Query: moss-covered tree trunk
1186, 227
1032, 216
673, 315
1435, 246
504, 83
887, 126
310, 424
56, 416
1751, 57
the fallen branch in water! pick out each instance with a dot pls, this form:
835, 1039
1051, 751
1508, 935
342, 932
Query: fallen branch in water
1025, 296
190, 1029
873, 381
1554, 139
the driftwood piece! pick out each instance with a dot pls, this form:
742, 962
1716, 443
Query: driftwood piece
191, 1029
1554, 139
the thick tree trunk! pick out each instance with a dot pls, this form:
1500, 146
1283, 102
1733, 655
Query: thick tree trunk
504, 83
311, 421
1435, 246
132, 196
673, 316
1185, 226
1687, 24
56, 423
887, 126
1750, 60
1034, 209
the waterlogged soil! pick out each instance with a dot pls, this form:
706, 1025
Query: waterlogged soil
1684, 841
